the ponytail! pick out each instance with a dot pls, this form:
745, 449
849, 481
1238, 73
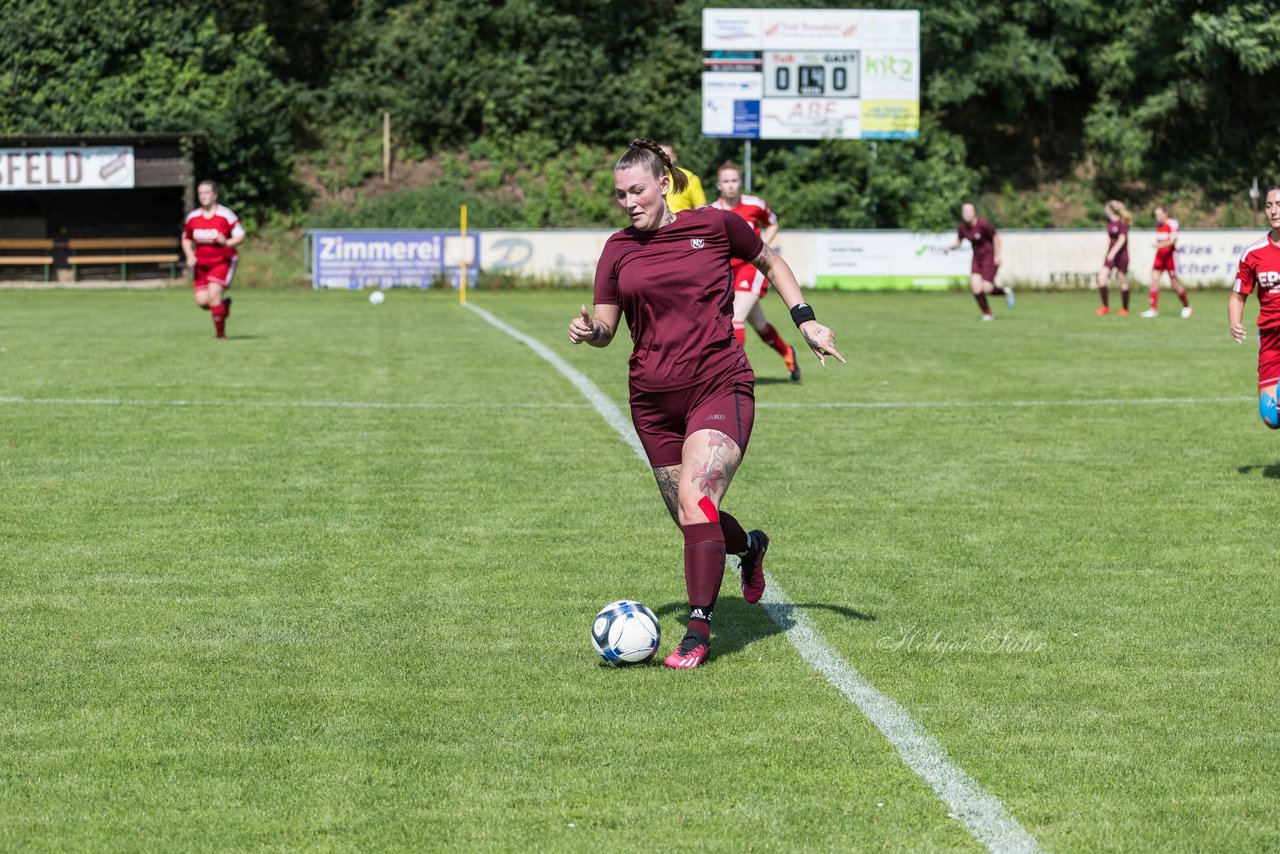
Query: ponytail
647, 153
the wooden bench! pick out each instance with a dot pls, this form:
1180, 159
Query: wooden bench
27, 244
122, 251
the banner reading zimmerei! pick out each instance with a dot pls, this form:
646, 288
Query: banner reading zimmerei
356, 258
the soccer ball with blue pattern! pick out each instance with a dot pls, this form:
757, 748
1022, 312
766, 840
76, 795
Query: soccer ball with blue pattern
625, 632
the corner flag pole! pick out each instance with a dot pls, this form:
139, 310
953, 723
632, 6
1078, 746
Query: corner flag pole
462, 287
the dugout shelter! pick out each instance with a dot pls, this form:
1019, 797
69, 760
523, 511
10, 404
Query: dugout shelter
100, 206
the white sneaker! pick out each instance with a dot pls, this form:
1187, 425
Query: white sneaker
1151, 312
987, 317
1186, 311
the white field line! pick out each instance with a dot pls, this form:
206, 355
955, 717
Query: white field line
981, 813
373, 404
274, 404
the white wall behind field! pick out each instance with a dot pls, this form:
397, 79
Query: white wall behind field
1047, 259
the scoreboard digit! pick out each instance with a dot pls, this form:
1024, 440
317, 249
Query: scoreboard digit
793, 74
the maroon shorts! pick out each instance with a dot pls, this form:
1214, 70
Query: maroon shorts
1268, 356
664, 419
985, 267
1120, 263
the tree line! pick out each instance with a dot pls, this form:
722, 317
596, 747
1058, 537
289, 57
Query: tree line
1124, 97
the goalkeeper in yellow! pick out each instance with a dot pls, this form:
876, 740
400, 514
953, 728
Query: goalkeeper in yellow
691, 196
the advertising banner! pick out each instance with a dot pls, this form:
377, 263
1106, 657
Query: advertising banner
878, 261
356, 258
95, 168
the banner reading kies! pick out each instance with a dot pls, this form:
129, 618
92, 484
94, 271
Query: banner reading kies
97, 168
355, 259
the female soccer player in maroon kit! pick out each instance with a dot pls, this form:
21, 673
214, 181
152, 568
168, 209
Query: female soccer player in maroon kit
692, 391
1260, 270
1118, 221
984, 239
210, 236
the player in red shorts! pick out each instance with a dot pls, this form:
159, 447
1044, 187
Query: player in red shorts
1118, 221
209, 238
692, 390
985, 240
749, 284
1260, 270
1166, 262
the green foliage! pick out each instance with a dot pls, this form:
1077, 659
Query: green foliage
915, 184
138, 65
1140, 95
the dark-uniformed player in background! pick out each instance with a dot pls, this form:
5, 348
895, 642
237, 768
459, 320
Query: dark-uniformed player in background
1117, 261
692, 390
985, 240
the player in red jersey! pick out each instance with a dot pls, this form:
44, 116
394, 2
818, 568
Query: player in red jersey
692, 390
209, 238
1260, 270
1118, 221
985, 240
749, 284
1166, 262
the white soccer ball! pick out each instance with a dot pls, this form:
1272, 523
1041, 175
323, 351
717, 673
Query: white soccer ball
625, 632
377, 297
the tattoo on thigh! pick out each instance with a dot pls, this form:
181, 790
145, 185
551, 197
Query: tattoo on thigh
668, 479
712, 477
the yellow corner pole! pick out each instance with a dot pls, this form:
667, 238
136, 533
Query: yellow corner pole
462, 288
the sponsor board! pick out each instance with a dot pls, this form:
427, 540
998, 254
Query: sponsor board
85, 168
356, 258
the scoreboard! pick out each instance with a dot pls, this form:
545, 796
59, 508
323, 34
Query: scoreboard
822, 75
811, 73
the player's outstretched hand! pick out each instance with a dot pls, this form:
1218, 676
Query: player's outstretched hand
1238, 332
581, 328
821, 340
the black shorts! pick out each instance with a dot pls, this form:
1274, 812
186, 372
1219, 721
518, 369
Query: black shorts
664, 419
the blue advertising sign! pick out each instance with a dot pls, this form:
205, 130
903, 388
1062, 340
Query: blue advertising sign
357, 258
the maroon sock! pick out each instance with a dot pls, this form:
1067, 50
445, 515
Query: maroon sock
703, 572
1124, 298
1102, 291
735, 538
982, 303
219, 313
771, 337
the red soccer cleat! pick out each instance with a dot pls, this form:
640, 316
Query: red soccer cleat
691, 652
1103, 310
753, 567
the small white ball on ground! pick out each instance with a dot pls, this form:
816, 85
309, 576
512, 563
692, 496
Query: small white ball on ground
377, 297
625, 632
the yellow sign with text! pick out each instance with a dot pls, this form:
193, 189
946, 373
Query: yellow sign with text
890, 119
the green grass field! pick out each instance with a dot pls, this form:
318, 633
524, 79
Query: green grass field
328, 585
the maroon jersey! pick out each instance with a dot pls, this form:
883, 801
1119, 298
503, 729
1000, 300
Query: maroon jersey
1260, 270
980, 236
674, 288
1115, 228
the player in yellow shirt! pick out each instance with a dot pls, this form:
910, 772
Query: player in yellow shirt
691, 196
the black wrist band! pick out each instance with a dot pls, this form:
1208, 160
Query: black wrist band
801, 313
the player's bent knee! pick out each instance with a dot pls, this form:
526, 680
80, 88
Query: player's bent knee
1267, 410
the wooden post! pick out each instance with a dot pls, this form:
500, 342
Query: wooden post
462, 286
386, 148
